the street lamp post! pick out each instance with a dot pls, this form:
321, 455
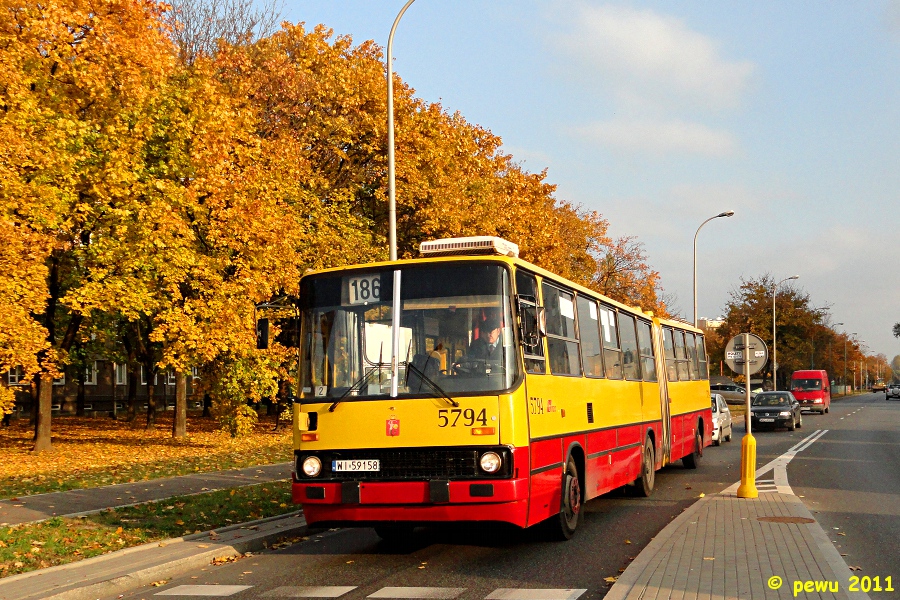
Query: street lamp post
774, 346
727, 213
392, 199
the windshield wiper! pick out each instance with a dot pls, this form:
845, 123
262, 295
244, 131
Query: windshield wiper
356, 387
434, 387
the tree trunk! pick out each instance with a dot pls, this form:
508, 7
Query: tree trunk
35, 402
79, 399
150, 370
42, 441
207, 405
132, 394
179, 422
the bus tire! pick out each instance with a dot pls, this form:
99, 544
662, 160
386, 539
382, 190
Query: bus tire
643, 485
692, 460
563, 525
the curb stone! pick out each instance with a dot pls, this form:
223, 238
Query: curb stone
125, 570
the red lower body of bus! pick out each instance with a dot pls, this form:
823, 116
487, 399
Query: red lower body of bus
608, 459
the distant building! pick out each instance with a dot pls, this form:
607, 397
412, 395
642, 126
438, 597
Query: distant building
704, 323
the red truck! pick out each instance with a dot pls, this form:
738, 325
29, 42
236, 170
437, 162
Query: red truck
812, 389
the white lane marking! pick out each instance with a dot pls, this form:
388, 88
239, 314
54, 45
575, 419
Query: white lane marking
204, 590
320, 591
779, 465
534, 594
414, 593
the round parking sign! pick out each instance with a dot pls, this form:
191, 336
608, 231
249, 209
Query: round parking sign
736, 355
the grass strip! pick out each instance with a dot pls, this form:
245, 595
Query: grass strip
59, 540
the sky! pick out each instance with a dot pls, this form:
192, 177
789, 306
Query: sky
660, 115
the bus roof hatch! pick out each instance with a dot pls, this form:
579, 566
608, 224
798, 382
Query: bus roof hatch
479, 244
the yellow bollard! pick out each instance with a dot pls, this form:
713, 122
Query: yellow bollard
747, 489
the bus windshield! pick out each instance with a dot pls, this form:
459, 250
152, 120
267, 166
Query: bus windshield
455, 331
807, 384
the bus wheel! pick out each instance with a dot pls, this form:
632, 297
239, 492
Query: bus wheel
566, 522
394, 533
692, 460
643, 486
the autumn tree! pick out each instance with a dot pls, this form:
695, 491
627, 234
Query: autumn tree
76, 74
802, 332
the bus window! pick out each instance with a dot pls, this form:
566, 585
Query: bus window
612, 356
702, 365
691, 346
589, 333
645, 342
681, 357
630, 362
669, 342
526, 289
562, 345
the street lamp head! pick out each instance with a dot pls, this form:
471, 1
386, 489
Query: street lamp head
794, 277
727, 213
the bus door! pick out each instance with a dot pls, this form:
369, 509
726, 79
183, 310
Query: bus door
665, 413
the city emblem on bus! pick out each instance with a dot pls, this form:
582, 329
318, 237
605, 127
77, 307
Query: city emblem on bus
392, 427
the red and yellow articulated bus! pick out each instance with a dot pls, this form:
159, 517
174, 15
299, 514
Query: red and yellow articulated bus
517, 395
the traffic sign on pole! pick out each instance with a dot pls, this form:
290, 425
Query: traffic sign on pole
737, 355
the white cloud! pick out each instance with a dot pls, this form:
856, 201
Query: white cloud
660, 137
653, 57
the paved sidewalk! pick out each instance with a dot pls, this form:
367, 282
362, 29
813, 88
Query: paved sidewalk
72, 503
729, 547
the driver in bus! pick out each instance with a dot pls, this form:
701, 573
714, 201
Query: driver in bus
487, 347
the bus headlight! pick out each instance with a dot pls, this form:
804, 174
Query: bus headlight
312, 466
490, 462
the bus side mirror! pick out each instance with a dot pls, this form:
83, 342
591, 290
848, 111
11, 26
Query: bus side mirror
533, 324
262, 334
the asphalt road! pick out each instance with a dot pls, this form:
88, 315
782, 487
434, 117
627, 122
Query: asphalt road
850, 480
847, 476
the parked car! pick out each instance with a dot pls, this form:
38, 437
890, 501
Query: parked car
722, 426
892, 391
775, 409
732, 392
812, 390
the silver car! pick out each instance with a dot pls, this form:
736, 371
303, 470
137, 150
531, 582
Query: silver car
722, 425
732, 392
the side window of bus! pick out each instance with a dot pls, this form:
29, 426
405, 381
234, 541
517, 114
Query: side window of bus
648, 359
703, 365
589, 333
562, 343
691, 346
669, 342
681, 359
612, 356
630, 358
526, 288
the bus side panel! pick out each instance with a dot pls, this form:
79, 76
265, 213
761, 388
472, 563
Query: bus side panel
546, 474
599, 445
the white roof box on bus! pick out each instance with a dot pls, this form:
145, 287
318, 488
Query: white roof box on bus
479, 244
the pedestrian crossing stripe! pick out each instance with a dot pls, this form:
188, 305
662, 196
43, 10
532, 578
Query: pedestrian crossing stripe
319, 591
204, 590
386, 593
418, 593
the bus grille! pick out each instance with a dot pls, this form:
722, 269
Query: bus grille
405, 464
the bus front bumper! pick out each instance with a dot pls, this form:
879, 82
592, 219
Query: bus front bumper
362, 502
